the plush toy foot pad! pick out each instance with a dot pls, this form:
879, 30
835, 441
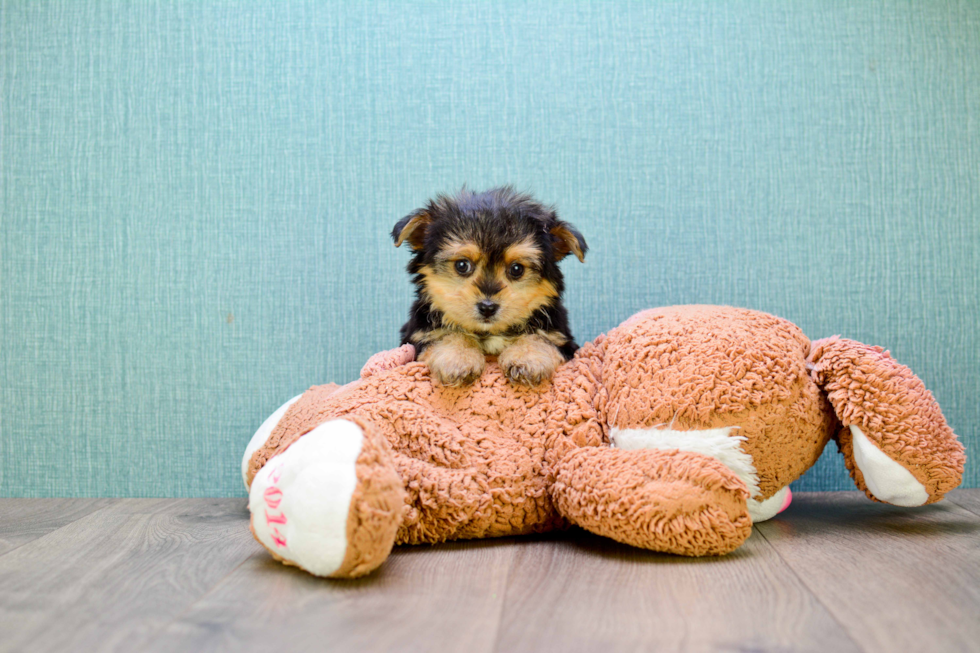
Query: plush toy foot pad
330, 504
887, 480
766, 509
905, 443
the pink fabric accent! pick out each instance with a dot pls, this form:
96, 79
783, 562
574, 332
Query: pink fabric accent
276, 473
278, 538
275, 519
789, 500
273, 496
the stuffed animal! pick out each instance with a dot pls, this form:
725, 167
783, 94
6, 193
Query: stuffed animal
673, 432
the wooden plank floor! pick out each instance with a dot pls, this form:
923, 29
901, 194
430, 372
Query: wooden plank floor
834, 573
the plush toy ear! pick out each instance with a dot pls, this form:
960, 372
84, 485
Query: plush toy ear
412, 228
568, 240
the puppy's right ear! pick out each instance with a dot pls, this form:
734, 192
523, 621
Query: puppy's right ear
412, 228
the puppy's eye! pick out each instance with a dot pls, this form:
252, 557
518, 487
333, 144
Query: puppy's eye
463, 267
515, 271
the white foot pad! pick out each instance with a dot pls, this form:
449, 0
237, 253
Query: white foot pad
301, 499
768, 508
262, 435
887, 480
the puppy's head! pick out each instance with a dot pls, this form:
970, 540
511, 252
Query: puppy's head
487, 261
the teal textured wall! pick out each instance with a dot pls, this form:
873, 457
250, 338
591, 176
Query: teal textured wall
197, 195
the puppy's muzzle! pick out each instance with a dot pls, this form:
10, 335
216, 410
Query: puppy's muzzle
487, 308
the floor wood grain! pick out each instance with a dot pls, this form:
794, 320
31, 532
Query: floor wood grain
111, 579
588, 593
23, 520
969, 499
836, 572
897, 579
441, 598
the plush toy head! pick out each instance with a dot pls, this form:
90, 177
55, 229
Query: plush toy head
673, 432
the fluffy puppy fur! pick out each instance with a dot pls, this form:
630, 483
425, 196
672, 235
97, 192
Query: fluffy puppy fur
485, 269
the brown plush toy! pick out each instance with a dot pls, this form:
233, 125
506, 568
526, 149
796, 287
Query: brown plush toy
673, 432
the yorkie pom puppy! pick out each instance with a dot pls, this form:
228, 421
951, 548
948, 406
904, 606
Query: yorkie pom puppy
485, 269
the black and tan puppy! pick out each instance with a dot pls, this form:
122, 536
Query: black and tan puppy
485, 268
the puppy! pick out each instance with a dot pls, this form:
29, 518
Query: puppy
485, 269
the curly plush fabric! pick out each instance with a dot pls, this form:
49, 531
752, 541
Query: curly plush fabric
704, 367
680, 502
666, 433
870, 389
485, 476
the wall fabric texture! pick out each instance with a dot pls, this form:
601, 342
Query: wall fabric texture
197, 196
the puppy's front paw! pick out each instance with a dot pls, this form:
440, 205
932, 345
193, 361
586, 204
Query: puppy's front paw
453, 362
530, 360
462, 370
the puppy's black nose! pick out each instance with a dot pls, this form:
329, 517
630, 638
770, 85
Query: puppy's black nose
487, 308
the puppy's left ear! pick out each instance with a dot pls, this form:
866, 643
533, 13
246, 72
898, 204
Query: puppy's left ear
412, 228
567, 240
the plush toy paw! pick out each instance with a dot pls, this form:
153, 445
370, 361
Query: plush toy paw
674, 501
330, 504
718, 443
896, 442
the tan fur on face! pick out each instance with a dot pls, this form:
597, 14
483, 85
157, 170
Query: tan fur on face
526, 252
530, 360
456, 297
454, 359
456, 250
519, 300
